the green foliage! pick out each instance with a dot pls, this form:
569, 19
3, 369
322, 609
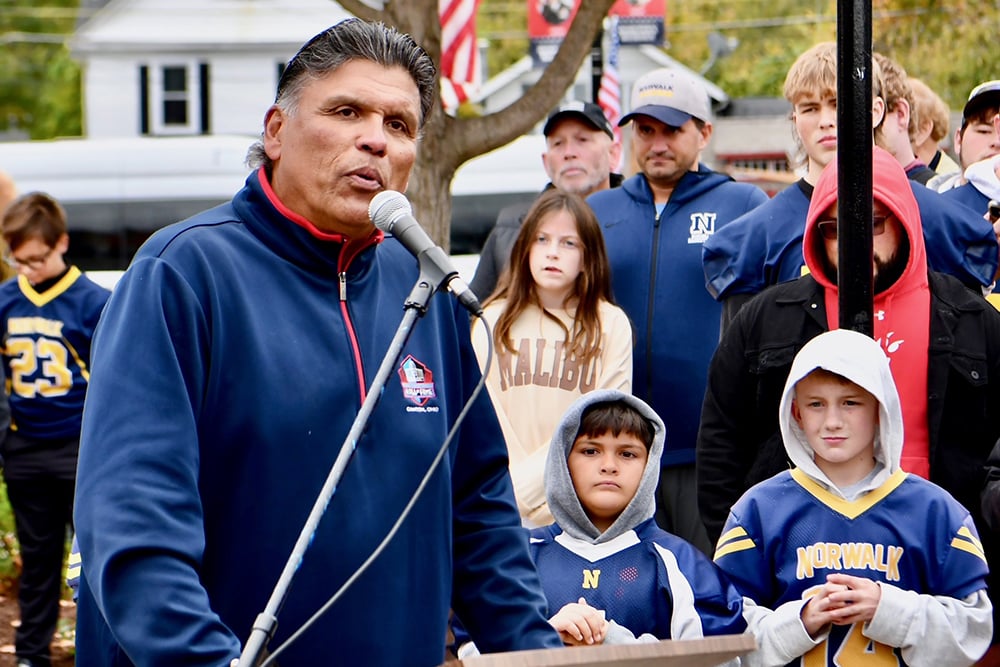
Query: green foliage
39, 81
10, 554
950, 44
504, 23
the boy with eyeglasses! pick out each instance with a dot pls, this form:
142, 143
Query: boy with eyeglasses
47, 313
943, 341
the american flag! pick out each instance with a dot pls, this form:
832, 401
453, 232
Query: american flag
609, 96
460, 71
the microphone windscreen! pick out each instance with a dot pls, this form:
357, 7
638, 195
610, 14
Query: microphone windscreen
386, 208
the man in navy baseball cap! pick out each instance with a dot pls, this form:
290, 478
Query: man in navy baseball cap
654, 227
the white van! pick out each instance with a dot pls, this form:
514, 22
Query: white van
118, 191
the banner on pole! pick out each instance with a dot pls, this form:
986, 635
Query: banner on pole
640, 21
548, 23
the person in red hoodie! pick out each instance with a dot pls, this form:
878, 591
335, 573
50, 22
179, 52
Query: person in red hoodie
943, 341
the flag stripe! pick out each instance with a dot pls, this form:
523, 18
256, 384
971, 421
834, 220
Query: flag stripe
460, 71
609, 94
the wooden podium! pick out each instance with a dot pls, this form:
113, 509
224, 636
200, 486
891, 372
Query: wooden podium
707, 652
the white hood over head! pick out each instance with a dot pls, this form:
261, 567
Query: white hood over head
861, 360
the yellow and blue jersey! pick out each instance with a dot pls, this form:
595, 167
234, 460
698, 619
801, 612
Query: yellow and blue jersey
785, 536
46, 352
648, 580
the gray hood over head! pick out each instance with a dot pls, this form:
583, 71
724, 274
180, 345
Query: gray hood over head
559, 491
861, 360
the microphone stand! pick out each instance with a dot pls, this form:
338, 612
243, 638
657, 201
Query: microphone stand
431, 279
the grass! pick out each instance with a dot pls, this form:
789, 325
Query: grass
10, 552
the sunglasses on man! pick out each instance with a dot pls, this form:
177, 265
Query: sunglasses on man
828, 226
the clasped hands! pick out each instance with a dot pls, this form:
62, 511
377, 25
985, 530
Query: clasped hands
842, 600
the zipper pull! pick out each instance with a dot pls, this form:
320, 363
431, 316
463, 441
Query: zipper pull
342, 276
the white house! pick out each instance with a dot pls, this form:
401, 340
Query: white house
184, 67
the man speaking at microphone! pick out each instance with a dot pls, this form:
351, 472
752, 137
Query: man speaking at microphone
227, 370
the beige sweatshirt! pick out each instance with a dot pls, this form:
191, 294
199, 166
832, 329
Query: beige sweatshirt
532, 388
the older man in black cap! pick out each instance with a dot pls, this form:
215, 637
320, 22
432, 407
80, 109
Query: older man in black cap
581, 153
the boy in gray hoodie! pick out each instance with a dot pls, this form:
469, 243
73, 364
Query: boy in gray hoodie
613, 575
847, 559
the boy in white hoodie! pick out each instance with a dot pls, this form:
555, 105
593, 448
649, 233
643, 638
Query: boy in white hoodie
846, 558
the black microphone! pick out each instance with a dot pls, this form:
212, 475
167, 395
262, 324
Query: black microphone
391, 212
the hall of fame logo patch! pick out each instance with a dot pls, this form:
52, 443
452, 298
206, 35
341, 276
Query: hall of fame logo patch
417, 381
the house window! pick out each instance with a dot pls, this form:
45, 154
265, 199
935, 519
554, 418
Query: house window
174, 98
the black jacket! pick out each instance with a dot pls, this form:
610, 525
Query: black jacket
739, 443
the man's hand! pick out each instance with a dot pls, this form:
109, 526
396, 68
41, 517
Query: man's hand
579, 624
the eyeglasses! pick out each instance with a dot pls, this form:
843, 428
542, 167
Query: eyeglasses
828, 226
33, 263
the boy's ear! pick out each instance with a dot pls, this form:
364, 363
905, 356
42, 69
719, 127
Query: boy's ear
796, 415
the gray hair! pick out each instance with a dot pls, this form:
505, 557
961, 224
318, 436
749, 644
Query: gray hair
352, 39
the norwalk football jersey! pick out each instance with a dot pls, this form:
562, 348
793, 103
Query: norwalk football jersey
785, 535
46, 343
646, 580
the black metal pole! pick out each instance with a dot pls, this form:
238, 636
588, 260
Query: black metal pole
596, 65
854, 155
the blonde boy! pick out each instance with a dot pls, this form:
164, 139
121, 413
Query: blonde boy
847, 556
